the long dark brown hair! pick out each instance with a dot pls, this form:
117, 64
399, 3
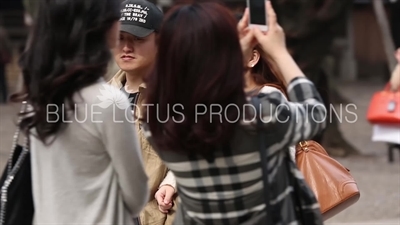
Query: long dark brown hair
68, 50
199, 62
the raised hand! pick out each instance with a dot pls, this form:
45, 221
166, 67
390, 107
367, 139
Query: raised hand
246, 36
272, 41
164, 197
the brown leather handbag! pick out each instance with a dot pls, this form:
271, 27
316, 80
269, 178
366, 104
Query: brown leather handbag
331, 182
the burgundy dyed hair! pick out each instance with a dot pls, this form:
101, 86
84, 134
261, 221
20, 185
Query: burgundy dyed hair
199, 61
265, 72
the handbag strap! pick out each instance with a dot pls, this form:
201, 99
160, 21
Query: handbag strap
12, 170
17, 133
301, 218
264, 160
272, 218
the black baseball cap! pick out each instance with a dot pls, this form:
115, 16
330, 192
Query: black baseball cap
140, 17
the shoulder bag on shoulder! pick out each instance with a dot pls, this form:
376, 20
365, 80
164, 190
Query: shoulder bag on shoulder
16, 203
331, 182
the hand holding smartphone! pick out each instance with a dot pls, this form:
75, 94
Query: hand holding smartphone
270, 36
258, 15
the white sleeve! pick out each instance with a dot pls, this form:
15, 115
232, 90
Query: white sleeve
169, 180
121, 142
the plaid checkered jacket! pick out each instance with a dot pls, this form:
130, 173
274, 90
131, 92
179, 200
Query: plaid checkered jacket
229, 190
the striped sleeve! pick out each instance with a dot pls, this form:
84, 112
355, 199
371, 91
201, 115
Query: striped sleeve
299, 119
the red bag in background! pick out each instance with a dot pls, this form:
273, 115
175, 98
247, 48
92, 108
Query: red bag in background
384, 107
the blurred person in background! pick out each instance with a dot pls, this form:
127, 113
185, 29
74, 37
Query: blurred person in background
86, 167
311, 27
216, 161
395, 78
135, 56
31, 8
5, 58
394, 17
390, 133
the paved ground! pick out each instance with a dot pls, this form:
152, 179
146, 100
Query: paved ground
378, 180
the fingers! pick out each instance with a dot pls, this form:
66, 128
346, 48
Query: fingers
243, 23
271, 15
159, 197
164, 198
247, 39
168, 196
258, 34
162, 209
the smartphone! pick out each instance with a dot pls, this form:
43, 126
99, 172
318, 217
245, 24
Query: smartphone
257, 14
